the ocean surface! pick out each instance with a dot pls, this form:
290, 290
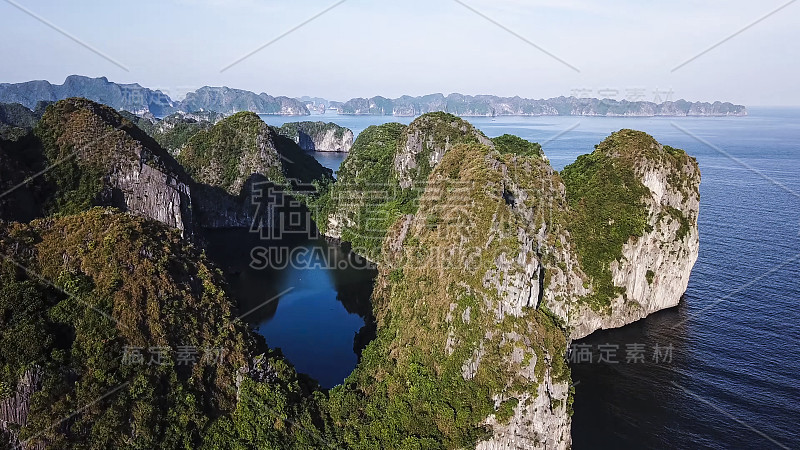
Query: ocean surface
721, 370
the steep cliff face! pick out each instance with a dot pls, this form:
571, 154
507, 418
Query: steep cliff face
425, 142
318, 136
101, 159
384, 175
640, 256
15, 408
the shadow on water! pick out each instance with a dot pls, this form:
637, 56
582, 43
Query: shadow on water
306, 296
625, 390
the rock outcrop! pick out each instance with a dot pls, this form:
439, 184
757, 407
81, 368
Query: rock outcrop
456, 302
425, 142
648, 265
101, 159
236, 154
15, 408
384, 174
494, 264
318, 136
229, 101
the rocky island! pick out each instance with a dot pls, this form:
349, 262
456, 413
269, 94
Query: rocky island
318, 136
491, 105
140, 100
490, 263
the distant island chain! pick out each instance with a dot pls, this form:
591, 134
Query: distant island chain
225, 100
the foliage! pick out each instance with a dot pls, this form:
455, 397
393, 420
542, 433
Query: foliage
176, 136
506, 410
174, 131
364, 182
81, 135
119, 281
16, 115
606, 198
215, 156
368, 194
409, 390
282, 413
516, 145
241, 145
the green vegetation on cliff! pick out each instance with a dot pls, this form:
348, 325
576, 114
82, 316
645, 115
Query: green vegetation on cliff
607, 200
129, 282
384, 174
228, 153
367, 191
16, 120
508, 143
414, 387
99, 287
174, 131
292, 130
241, 145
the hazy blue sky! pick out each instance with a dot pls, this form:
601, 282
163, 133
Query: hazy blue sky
365, 48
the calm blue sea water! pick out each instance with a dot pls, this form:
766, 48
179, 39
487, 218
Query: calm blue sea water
310, 303
732, 380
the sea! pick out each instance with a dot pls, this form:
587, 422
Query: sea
720, 370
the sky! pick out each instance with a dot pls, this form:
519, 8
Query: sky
360, 48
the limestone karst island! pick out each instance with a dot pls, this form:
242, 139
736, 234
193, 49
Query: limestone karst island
486, 264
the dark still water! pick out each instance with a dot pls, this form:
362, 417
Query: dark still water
732, 378
311, 302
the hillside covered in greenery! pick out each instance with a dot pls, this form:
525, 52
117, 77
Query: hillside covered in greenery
228, 153
384, 174
444, 360
121, 319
